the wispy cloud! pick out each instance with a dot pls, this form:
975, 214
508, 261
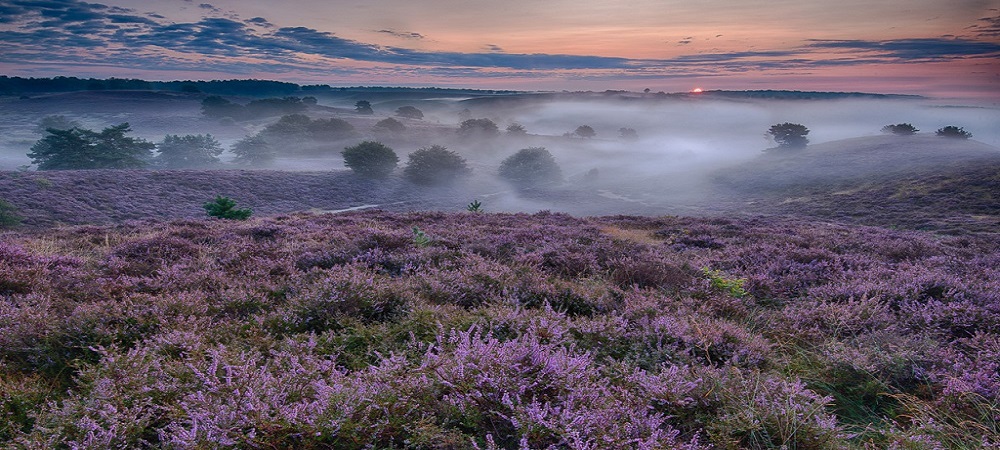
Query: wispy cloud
402, 34
916, 49
73, 31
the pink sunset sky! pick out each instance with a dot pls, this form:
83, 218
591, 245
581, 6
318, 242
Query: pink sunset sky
925, 47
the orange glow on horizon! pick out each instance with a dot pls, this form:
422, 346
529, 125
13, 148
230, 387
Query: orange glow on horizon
696, 91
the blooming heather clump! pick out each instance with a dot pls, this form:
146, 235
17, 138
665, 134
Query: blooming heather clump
433, 330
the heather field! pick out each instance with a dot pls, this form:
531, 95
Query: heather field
674, 281
377, 329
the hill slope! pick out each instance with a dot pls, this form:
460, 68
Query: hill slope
921, 182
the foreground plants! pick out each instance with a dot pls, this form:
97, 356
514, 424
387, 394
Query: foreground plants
503, 331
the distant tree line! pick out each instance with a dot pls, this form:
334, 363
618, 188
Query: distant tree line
218, 107
253, 88
256, 88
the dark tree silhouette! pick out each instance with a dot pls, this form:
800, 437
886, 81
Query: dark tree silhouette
789, 135
389, 124
628, 134
363, 107
530, 166
79, 148
516, 129
409, 112
900, 129
478, 128
952, 131
253, 150
585, 131
370, 159
185, 152
435, 165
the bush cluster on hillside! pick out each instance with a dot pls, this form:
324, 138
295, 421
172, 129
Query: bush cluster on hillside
370, 159
530, 167
389, 124
500, 331
186, 152
952, 131
478, 128
219, 107
901, 129
79, 148
789, 135
435, 165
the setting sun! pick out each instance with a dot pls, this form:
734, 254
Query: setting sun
696, 91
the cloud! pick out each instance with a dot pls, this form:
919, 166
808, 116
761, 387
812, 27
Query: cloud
70, 31
988, 27
916, 49
402, 34
259, 21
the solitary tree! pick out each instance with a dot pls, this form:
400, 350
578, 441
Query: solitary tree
409, 112
585, 131
478, 128
900, 129
789, 135
435, 165
370, 159
253, 150
184, 152
530, 166
952, 131
79, 148
628, 134
389, 124
363, 107
516, 129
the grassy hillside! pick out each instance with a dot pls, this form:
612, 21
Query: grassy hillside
915, 182
433, 330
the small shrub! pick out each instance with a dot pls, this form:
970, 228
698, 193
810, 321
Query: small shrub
476, 206
435, 165
8, 215
370, 159
420, 238
732, 287
224, 208
951, 131
900, 129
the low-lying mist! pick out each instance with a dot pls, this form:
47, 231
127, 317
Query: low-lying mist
679, 142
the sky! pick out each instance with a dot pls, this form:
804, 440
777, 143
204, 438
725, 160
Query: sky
947, 49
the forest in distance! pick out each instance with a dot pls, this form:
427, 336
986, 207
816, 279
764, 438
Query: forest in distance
257, 264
